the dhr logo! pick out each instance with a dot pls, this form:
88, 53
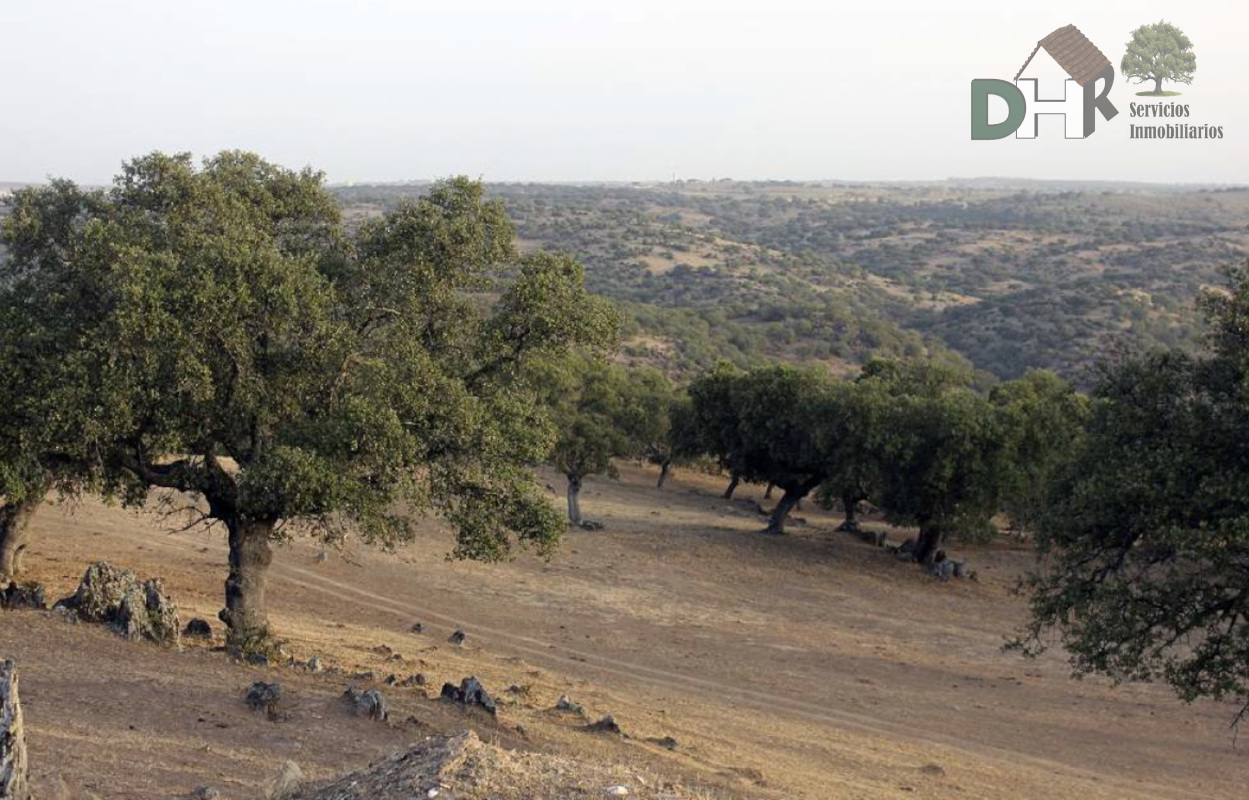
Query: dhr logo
1068, 50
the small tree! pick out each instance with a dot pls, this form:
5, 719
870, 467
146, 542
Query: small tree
603, 412
1159, 52
716, 428
250, 352
942, 459
855, 431
680, 444
765, 425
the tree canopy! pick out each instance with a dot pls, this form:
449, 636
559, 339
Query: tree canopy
1145, 541
603, 412
245, 347
1159, 52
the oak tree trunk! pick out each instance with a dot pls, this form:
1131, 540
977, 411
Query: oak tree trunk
664, 469
767, 493
930, 538
13, 767
850, 503
733, 481
792, 497
246, 613
15, 535
574, 498
1157, 85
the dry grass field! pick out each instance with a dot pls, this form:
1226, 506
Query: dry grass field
810, 666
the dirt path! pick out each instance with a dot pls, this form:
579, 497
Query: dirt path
811, 666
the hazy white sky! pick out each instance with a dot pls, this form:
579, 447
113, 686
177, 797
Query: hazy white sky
553, 90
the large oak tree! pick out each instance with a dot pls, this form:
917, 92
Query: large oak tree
246, 349
1145, 541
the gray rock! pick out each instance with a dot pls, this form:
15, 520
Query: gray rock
24, 595
605, 725
265, 697
198, 629
115, 597
470, 693
371, 703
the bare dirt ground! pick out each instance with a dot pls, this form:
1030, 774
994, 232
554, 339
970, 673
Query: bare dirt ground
809, 666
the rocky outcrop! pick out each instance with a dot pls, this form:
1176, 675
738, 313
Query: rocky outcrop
471, 694
115, 597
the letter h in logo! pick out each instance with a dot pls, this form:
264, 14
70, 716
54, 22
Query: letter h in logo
1071, 107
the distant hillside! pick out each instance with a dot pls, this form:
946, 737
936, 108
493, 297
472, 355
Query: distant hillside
1007, 279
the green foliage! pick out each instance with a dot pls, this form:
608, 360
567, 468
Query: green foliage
218, 331
1159, 52
1005, 276
603, 412
942, 458
1043, 422
1145, 544
52, 433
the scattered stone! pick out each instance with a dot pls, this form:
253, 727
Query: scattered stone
390, 679
367, 675
13, 763
266, 697
198, 629
906, 550
418, 679
285, 784
204, 793
605, 725
418, 627
115, 596
564, 703
590, 525
257, 658
960, 569
323, 556
371, 703
617, 791
933, 769
314, 664
457, 638
470, 693
30, 594
666, 742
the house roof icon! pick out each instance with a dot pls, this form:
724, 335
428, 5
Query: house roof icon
1073, 52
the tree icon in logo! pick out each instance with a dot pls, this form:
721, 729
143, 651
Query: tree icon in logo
1159, 52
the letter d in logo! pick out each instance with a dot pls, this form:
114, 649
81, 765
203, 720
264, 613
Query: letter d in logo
1015, 105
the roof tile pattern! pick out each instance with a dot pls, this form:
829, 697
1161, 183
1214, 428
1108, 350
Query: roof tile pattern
1073, 52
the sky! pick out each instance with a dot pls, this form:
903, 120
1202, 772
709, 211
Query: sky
632, 90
